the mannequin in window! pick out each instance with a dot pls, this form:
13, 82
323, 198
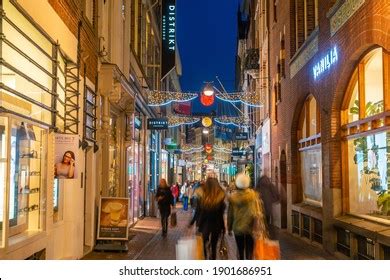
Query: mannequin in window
65, 168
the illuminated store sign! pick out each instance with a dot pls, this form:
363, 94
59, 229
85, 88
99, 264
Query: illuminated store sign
168, 36
325, 63
158, 123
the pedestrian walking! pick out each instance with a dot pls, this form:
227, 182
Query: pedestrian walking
243, 212
209, 215
175, 193
185, 189
165, 200
268, 194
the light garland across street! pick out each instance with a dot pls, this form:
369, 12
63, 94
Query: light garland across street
249, 98
174, 121
237, 121
161, 98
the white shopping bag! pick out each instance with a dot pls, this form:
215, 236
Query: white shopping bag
186, 249
190, 248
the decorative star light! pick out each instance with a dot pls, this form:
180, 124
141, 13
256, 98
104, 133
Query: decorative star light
161, 98
249, 98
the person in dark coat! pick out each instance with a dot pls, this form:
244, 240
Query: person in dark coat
164, 199
269, 195
209, 215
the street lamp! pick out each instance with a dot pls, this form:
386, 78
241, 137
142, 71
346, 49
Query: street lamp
208, 90
205, 131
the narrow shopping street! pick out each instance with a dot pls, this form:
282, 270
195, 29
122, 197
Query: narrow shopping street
147, 243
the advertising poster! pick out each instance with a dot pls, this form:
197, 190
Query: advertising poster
113, 218
66, 150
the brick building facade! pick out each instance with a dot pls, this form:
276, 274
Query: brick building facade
338, 34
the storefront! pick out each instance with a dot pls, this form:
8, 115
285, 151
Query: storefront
36, 71
366, 160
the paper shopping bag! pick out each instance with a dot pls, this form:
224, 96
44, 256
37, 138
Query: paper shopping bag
266, 249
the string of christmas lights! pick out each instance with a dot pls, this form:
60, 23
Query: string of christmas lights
174, 121
189, 149
236, 121
249, 98
161, 98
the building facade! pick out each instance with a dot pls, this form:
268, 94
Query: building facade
81, 69
329, 74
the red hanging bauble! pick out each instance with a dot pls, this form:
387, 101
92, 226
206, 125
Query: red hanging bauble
206, 100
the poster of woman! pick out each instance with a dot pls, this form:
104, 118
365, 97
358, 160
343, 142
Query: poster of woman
65, 166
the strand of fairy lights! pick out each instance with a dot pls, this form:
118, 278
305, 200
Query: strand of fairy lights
162, 98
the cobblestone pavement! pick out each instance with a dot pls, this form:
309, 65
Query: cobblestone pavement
147, 243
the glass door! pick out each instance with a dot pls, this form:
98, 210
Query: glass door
130, 184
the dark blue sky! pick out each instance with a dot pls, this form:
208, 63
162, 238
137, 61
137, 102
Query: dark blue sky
207, 38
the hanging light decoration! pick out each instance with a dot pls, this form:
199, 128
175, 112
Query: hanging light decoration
208, 90
236, 121
207, 100
208, 148
249, 98
207, 121
174, 121
161, 98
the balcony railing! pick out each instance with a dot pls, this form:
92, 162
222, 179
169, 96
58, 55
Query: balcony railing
252, 65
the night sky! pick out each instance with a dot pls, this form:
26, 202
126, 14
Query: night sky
207, 42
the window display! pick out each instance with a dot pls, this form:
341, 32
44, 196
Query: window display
368, 139
369, 175
22, 155
26, 163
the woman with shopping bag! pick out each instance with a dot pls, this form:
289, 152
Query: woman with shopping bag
165, 201
243, 214
209, 216
265, 247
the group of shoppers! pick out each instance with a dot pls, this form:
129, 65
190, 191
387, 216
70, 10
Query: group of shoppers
249, 212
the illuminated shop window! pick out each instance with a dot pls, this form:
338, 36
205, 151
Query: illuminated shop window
26, 176
367, 137
310, 152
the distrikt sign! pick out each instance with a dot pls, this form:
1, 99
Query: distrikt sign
325, 63
168, 30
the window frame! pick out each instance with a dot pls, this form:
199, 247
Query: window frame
364, 126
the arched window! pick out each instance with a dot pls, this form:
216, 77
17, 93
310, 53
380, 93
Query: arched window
309, 136
366, 131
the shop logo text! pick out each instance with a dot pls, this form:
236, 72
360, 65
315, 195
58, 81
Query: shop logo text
325, 63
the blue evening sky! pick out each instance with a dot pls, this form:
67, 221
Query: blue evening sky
207, 42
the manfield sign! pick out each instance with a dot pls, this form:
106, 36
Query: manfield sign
168, 36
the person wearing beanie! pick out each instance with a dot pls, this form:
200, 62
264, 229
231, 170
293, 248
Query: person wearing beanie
242, 214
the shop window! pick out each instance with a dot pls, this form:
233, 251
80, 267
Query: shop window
310, 153
26, 164
367, 136
373, 83
343, 242
90, 114
366, 248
